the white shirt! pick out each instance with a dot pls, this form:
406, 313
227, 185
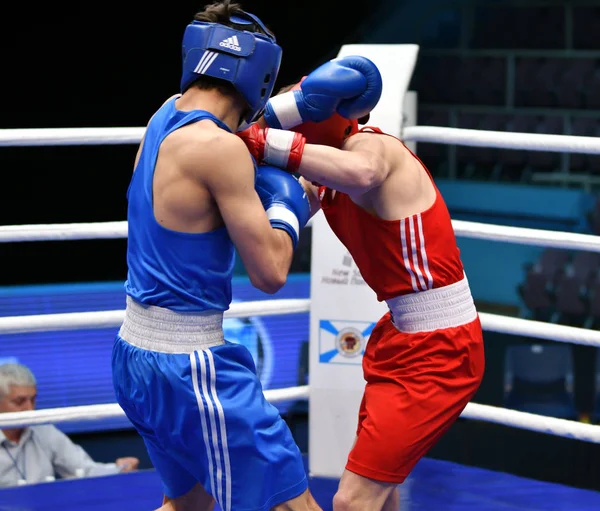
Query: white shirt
43, 453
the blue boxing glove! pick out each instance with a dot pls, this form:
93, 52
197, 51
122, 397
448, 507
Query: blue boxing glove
359, 106
284, 200
351, 83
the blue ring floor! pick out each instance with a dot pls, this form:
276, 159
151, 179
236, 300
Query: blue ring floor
433, 485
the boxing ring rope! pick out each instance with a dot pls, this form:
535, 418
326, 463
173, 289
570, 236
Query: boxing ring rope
432, 134
111, 411
113, 319
115, 230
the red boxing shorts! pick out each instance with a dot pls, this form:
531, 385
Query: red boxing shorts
417, 386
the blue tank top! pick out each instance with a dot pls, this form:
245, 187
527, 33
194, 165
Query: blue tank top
175, 270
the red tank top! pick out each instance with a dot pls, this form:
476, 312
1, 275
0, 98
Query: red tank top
396, 257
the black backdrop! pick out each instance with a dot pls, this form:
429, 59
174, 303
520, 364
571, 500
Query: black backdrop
101, 65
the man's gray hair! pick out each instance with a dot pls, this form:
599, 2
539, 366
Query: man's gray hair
15, 374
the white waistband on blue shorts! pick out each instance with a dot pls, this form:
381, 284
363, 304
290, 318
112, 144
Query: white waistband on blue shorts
158, 329
434, 309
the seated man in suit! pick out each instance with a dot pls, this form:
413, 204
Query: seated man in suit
41, 453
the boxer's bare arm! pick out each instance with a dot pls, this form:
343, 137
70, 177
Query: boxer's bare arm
361, 165
227, 171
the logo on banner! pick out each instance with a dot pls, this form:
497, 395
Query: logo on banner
350, 342
343, 342
345, 274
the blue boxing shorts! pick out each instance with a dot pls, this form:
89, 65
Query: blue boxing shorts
197, 402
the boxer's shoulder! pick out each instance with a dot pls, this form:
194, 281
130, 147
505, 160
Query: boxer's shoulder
205, 144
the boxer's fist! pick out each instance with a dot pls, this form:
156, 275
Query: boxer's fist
322, 92
275, 147
284, 200
254, 138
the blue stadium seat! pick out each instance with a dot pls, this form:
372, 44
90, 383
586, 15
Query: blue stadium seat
538, 289
593, 218
483, 81
538, 378
531, 27
575, 81
436, 79
444, 79
554, 82
586, 27
551, 262
535, 81
585, 266
570, 298
536, 293
593, 296
592, 92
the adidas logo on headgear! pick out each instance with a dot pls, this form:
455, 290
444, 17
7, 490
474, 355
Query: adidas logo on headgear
232, 43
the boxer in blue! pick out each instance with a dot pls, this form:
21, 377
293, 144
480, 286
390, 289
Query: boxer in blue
195, 194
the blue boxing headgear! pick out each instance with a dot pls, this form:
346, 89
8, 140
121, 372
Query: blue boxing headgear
249, 60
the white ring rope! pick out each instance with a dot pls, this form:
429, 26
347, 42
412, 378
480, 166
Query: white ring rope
531, 422
503, 139
114, 318
70, 136
473, 411
501, 233
112, 411
433, 134
491, 322
63, 232
526, 236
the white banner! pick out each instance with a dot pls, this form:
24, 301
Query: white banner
344, 309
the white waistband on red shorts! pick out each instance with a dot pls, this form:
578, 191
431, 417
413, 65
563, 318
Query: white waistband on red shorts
434, 309
158, 329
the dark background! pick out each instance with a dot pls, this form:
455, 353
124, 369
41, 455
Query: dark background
110, 65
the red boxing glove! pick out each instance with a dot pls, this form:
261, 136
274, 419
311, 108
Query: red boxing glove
254, 138
280, 148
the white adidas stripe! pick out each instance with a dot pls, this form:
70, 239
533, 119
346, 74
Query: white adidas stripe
213, 427
415, 257
201, 409
221, 413
405, 255
418, 271
424, 253
202, 61
206, 396
205, 62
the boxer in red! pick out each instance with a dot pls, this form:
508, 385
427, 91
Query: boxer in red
425, 359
